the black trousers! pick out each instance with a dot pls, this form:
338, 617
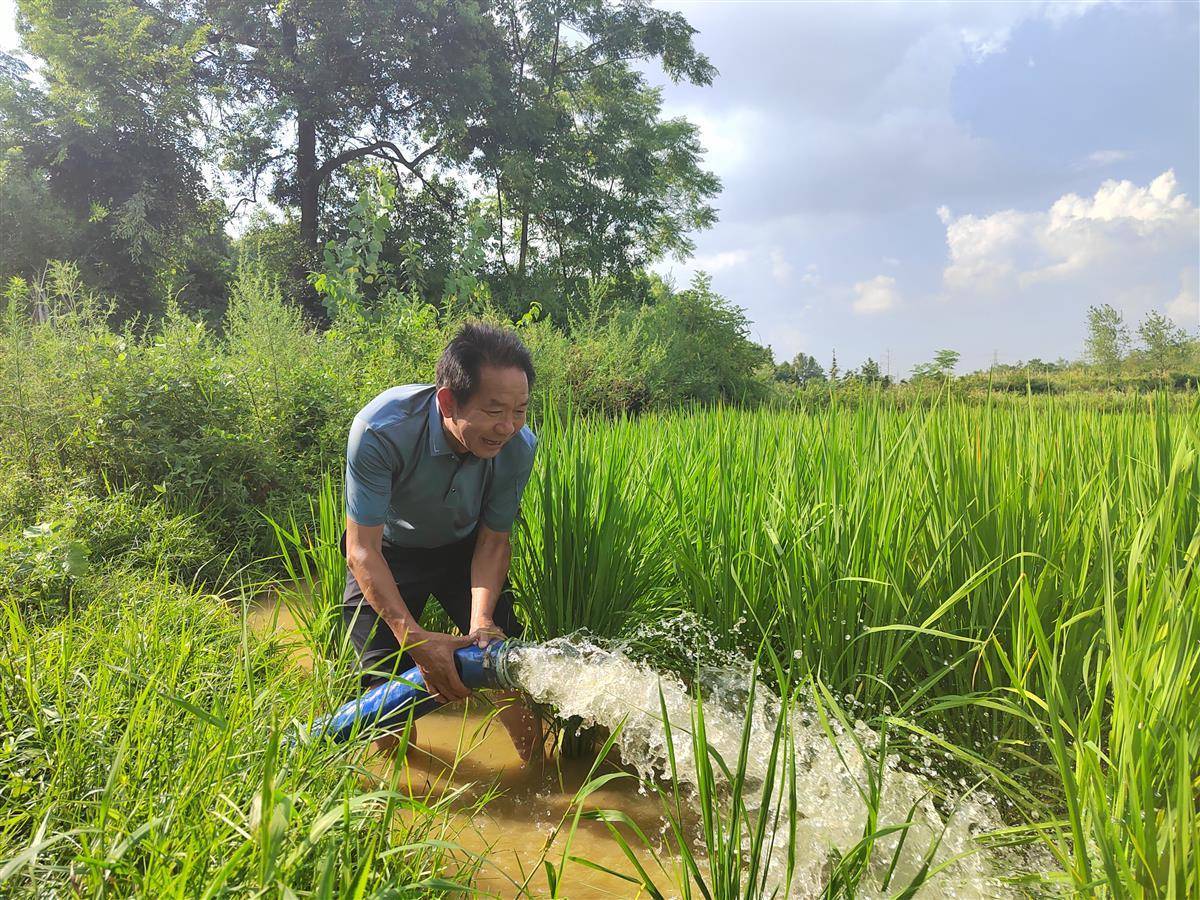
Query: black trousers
419, 572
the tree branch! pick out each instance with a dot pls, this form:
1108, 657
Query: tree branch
388, 151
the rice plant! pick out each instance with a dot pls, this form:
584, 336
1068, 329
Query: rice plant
312, 557
1008, 586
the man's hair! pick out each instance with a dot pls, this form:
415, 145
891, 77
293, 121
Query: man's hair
476, 345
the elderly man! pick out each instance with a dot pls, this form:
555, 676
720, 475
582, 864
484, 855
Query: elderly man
434, 476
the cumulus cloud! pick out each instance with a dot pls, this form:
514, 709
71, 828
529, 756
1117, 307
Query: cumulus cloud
1184, 308
1122, 230
876, 295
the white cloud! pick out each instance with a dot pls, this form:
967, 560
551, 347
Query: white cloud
717, 262
1185, 307
1098, 159
781, 269
811, 276
875, 296
1121, 233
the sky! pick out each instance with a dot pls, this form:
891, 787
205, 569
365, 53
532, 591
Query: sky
900, 178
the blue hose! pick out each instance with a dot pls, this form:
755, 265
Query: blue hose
391, 702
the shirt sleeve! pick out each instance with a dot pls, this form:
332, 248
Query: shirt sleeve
369, 472
503, 501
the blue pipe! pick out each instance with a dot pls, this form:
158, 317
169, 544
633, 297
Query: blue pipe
391, 702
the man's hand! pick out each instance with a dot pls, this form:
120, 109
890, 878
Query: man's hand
434, 656
484, 631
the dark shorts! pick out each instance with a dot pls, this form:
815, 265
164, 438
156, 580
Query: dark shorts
444, 573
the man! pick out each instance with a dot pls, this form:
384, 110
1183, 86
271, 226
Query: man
434, 476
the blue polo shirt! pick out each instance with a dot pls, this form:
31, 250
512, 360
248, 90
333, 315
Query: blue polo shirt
402, 473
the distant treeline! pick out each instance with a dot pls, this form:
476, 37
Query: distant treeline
1161, 356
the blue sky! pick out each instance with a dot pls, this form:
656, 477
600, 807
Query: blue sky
900, 178
903, 177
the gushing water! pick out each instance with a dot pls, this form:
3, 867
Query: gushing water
605, 687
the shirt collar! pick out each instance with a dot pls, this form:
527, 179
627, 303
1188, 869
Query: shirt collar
438, 445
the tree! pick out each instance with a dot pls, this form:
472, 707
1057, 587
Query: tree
1165, 343
537, 102
941, 366
800, 371
707, 352
588, 180
1107, 338
870, 371
99, 161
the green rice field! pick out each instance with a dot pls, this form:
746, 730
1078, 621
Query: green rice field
1005, 590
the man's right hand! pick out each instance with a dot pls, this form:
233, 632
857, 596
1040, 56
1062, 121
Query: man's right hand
433, 652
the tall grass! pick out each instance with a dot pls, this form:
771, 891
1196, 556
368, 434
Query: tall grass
1010, 585
143, 758
592, 558
1007, 590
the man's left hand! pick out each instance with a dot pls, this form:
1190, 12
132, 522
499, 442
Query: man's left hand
484, 631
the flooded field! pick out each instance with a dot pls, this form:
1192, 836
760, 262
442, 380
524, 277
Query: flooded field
513, 819
464, 752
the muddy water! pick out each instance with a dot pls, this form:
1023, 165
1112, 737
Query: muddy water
531, 818
462, 747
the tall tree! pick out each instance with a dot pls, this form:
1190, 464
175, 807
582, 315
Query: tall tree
1107, 338
106, 131
534, 101
801, 370
588, 180
941, 366
1165, 344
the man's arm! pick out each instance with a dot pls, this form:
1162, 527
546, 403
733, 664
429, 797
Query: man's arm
430, 650
489, 568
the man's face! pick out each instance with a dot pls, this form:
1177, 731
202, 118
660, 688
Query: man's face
487, 421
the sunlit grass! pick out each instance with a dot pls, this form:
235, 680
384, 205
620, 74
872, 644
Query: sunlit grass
1011, 585
1005, 592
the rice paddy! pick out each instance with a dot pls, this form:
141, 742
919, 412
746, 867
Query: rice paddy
1003, 593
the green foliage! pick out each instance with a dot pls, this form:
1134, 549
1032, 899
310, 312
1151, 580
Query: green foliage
1165, 344
607, 363
802, 370
1107, 338
108, 166
545, 104
42, 564
589, 181
587, 534
707, 353
354, 272
933, 564
316, 567
941, 366
140, 754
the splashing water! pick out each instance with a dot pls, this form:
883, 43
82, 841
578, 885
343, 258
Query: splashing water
605, 687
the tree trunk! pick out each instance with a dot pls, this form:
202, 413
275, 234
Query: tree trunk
524, 250
306, 180
307, 183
